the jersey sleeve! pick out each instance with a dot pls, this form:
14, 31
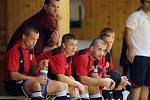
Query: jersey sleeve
58, 64
44, 55
81, 66
12, 60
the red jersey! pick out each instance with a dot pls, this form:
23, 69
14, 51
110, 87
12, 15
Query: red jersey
107, 62
12, 58
58, 63
83, 63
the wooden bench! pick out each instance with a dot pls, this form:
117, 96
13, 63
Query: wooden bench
13, 97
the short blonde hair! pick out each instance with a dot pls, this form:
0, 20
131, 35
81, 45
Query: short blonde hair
104, 32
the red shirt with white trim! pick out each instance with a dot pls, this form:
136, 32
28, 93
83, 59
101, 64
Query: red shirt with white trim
82, 62
57, 61
12, 59
107, 62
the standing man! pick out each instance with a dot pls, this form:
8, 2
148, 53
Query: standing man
137, 37
84, 62
20, 64
47, 22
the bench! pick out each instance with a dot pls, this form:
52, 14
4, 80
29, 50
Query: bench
13, 97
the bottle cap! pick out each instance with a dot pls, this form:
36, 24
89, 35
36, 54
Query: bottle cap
43, 72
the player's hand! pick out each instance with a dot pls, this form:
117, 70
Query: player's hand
58, 16
43, 64
41, 79
55, 37
130, 55
124, 81
109, 83
81, 87
75, 93
106, 76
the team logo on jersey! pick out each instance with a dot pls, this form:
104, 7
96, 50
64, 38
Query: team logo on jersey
94, 69
107, 64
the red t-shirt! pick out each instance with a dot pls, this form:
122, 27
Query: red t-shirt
12, 59
107, 62
83, 63
57, 61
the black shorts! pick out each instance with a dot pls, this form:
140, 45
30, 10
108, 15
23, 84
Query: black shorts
14, 88
140, 71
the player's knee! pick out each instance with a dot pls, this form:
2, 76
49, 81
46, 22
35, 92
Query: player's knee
119, 87
62, 86
86, 88
93, 89
35, 86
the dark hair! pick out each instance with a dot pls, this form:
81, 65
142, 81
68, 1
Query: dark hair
104, 32
27, 31
48, 1
142, 1
68, 36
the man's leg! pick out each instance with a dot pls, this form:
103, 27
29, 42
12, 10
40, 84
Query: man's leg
94, 92
85, 94
113, 94
135, 93
144, 93
74, 93
58, 88
149, 95
138, 74
107, 94
33, 87
117, 95
117, 92
77, 95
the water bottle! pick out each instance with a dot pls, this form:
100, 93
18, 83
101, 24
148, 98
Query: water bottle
43, 72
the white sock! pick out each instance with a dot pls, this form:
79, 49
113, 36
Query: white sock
85, 95
68, 95
96, 95
62, 93
36, 94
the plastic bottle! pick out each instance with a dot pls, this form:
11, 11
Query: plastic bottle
43, 72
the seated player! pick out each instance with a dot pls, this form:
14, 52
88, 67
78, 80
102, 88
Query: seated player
83, 63
107, 69
60, 65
